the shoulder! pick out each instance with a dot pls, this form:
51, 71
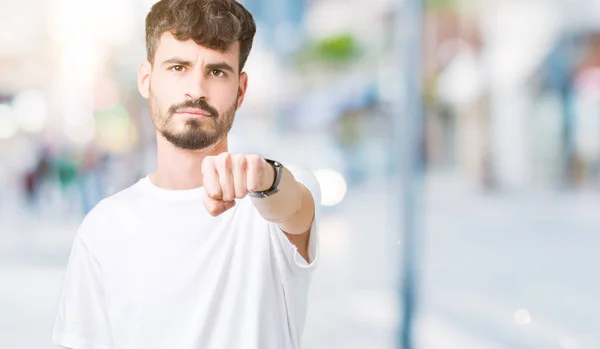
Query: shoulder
105, 214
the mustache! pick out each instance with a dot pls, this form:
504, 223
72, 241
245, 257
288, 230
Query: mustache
199, 104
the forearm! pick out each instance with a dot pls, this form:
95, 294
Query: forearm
227, 177
292, 208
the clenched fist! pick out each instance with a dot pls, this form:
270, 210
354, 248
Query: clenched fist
231, 176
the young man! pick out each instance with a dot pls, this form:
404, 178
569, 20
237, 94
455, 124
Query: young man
213, 250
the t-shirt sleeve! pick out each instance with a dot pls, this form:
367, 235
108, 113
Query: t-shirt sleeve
293, 259
81, 320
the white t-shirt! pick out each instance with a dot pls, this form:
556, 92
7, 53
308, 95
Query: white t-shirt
150, 268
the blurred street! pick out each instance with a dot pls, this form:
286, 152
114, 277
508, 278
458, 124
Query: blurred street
482, 263
497, 103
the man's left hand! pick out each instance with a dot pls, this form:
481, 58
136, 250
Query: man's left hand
228, 177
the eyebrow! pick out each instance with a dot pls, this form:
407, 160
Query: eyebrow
209, 66
220, 66
175, 60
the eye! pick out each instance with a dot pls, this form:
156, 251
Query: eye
177, 68
218, 73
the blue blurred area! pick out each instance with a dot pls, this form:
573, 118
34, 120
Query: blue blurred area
511, 148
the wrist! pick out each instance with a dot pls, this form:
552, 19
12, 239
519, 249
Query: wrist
268, 176
270, 179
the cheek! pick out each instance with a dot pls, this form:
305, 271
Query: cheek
162, 100
159, 110
224, 96
164, 89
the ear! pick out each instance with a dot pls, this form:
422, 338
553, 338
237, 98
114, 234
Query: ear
143, 78
242, 88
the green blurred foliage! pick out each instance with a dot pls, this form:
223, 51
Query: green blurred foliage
336, 49
442, 4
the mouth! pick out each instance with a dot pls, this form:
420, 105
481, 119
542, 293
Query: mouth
193, 113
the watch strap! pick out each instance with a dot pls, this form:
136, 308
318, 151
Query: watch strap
278, 167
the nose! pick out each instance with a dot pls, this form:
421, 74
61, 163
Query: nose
196, 88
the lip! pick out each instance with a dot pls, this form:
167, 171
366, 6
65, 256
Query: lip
194, 113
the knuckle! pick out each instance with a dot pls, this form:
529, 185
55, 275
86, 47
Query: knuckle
255, 161
213, 193
255, 158
240, 160
220, 159
225, 156
208, 162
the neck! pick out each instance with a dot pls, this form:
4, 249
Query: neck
179, 169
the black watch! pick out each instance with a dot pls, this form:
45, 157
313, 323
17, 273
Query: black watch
278, 167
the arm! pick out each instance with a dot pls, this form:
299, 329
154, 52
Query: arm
292, 208
227, 177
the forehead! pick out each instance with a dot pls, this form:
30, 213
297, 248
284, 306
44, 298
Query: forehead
169, 47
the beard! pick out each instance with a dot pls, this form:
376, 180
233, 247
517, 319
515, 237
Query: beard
195, 134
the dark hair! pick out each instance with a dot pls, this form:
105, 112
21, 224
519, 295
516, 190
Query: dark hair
215, 24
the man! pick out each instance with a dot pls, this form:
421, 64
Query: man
213, 250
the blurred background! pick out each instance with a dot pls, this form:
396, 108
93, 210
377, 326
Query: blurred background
503, 208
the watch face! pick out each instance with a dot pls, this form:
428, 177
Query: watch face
274, 163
